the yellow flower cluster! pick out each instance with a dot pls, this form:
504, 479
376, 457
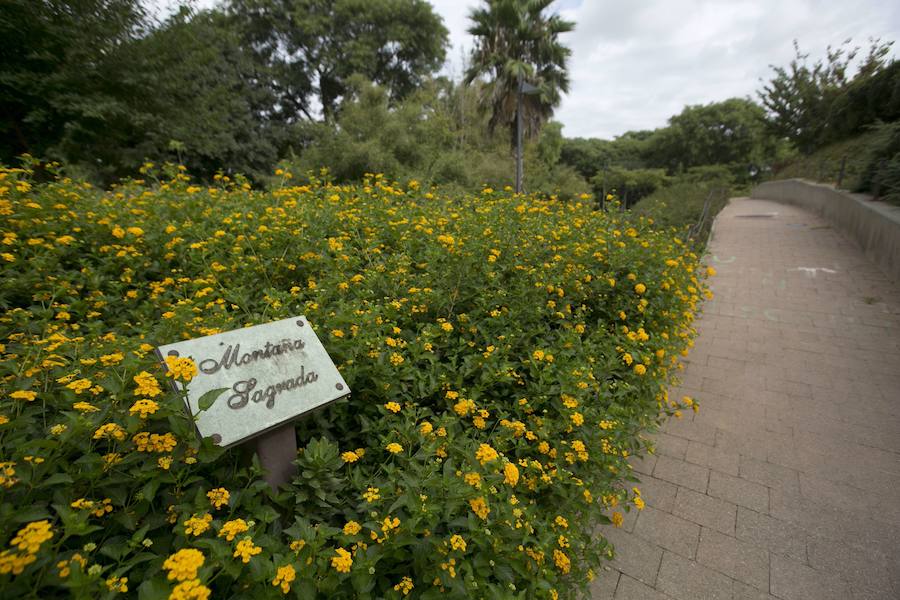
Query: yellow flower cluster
352, 528
182, 368
184, 564
405, 586
371, 495
341, 561
218, 497
480, 507
110, 431
7, 474
233, 528
246, 549
117, 584
147, 385
144, 408
145, 441
191, 589
351, 456
197, 525
283, 578
27, 542
486, 454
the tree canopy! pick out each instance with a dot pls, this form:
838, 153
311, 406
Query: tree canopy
732, 131
313, 47
516, 41
801, 98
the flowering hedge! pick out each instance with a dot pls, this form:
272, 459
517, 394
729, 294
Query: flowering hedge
505, 354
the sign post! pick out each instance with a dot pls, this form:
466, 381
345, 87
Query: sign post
252, 382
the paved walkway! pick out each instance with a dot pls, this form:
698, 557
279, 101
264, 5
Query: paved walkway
787, 483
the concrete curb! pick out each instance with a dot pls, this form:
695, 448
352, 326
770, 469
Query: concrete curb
875, 226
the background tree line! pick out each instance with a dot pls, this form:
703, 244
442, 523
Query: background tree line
353, 86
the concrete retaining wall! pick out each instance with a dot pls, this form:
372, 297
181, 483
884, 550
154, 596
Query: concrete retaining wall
874, 225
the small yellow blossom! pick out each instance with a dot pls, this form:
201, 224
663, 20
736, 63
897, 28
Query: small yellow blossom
182, 368
405, 586
246, 549
486, 454
232, 528
197, 525
218, 497
342, 561
183, 565
283, 578
510, 474
146, 385
190, 590
144, 407
352, 528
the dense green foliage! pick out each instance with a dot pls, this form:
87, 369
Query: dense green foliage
62, 77
881, 175
630, 185
731, 133
814, 104
311, 48
869, 160
437, 135
689, 207
825, 163
100, 85
504, 354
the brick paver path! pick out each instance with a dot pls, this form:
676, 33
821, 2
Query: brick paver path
787, 483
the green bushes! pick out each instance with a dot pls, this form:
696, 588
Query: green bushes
683, 207
630, 185
504, 352
881, 174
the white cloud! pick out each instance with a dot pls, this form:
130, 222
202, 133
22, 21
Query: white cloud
635, 64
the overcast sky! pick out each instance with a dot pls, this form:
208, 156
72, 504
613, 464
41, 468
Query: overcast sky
636, 63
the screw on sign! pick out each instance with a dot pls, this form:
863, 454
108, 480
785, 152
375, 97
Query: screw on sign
251, 383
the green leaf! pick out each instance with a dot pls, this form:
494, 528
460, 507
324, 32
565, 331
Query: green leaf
35, 513
209, 398
153, 589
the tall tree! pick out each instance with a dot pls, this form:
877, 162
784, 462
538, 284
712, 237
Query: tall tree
314, 46
800, 98
58, 66
516, 41
728, 132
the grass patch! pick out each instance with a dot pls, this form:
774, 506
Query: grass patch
824, 165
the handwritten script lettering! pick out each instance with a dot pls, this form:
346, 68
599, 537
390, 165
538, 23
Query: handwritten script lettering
245, 391
250, 390
233, 357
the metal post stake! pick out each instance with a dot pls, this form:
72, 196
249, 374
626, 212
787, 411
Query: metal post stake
277, 450
519, 165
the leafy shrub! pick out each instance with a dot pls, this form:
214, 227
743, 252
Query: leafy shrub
630, 185
683, 207
881, 173
504, 352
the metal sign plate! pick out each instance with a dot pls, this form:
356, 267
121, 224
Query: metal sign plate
267, 375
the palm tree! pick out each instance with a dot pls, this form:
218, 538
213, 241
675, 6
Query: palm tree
517, 45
